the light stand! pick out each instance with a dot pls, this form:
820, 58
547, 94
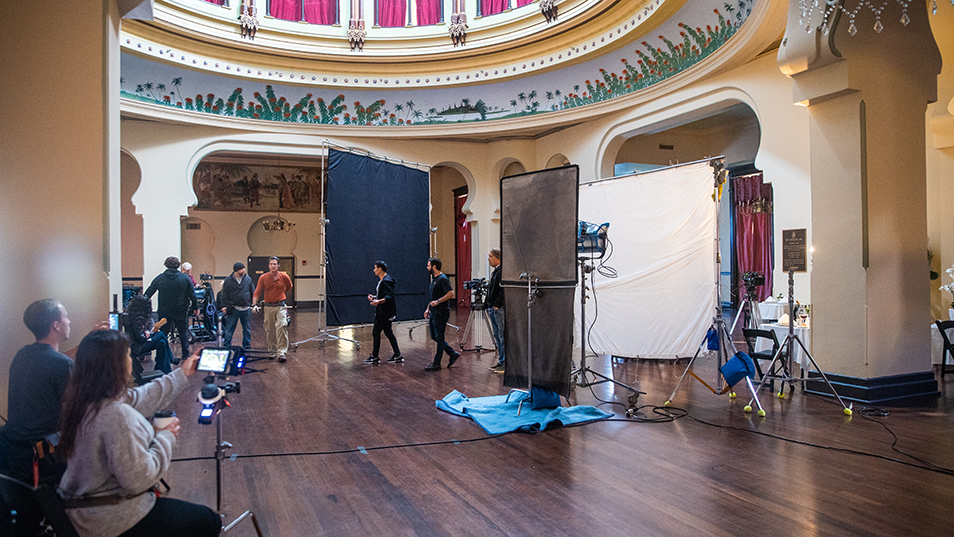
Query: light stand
478, 313
785, 371
718, 322
581, 371
323, 331
220, 446
532, 292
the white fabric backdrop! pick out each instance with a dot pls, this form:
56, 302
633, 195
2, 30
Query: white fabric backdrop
663, 230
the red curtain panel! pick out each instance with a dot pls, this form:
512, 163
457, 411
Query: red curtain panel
321, 11
392, 13
289, 10
463, 265
753, 229
492, 7
428, 12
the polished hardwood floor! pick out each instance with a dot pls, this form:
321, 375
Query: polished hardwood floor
325, 445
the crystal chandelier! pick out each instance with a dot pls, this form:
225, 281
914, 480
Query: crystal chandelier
278, 224
829, 7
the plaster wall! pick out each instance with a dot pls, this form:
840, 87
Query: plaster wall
55, 166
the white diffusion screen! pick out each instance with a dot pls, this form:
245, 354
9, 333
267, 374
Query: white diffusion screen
663, 230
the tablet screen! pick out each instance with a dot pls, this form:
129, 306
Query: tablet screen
214, 360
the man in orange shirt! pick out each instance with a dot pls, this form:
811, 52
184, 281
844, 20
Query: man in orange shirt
272, 287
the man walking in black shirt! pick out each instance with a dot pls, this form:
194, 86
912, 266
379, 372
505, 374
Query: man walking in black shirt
385, 311
438, 313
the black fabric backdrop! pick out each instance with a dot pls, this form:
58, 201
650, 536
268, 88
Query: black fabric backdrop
376, 210
538, 229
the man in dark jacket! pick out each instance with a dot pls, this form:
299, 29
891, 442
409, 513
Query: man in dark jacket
176, 299
385, 311
236, 302
494, 305
38, 376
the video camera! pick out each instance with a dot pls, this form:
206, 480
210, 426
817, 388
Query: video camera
480, 283
753, 278
205, 277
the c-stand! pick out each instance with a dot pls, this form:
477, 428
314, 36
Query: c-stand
581, 371
213, 399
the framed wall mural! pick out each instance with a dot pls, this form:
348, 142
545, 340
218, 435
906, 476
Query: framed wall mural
224, 186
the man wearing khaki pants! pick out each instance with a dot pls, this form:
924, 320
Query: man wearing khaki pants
272, 287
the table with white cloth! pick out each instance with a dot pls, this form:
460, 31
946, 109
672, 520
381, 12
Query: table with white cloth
937, 345
772, 311
781, 331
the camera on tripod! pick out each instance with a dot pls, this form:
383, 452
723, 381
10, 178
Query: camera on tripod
478, 288
205, 277
752, 279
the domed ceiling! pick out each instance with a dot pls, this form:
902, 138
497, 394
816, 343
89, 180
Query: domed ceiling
515, 65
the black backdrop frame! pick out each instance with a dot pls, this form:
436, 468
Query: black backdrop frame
376, 208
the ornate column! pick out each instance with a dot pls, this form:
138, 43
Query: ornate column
867, 82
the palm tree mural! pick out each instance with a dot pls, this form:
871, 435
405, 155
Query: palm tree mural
410, 108
176, 82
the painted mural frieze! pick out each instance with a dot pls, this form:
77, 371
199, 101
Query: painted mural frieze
679, 45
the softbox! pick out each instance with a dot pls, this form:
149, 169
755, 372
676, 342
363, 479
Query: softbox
538, 230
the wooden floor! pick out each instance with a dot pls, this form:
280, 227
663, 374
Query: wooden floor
298, 430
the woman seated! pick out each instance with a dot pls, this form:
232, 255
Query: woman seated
144, 336
115, 457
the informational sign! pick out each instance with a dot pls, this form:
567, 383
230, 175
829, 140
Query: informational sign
794, 251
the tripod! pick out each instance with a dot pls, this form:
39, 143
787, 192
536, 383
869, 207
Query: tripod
477, 313
580, 372
220, 447
784, 373
532, 292
751, 301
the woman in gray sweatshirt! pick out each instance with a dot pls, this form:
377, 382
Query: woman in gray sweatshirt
114, 454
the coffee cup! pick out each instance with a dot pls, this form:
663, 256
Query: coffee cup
163, 419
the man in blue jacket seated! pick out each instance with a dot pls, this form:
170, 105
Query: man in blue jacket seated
38, 376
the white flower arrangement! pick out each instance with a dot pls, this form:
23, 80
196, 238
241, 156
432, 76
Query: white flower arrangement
949, 287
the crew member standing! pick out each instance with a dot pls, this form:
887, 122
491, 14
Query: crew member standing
494, 306
176, 298
438, 313
385, 312
272, 287
236, 300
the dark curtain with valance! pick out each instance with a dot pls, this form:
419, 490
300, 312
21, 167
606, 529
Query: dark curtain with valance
752, 203
462, 242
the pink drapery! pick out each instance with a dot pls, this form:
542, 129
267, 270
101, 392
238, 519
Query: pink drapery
392, 13
321, 11
428, 12
753, 229
289, 10
216, 2
492, 7
521, 3
462, 264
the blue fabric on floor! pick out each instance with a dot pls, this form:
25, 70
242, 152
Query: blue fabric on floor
497, 416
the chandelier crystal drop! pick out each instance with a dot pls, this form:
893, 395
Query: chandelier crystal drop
828, 8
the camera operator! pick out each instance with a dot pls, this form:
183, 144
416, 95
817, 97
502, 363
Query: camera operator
385, 311
115, 455
494, 305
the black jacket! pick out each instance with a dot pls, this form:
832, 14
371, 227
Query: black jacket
495, 296
388, 308
176, 294
237, 293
